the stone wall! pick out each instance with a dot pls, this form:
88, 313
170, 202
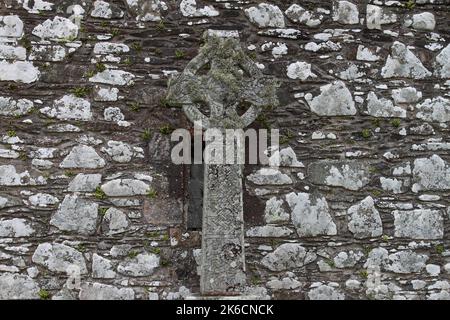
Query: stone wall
359, 209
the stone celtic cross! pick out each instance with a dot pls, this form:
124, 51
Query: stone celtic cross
222, 77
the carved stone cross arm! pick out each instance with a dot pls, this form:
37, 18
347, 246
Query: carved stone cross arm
222, 77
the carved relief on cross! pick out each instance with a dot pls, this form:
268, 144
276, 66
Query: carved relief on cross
222, 77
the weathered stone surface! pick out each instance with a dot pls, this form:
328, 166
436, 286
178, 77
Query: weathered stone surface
268, 231
335, 99
18, 71
364, 219
58, 29
102, 268
376, 17
351, 175
300, 70
11, 26
287, 257
403, 63
310, 214
122, 152
431, 174
299, 14
106, 10
266, 15
406, 95
59, 257
422, 21
15, 227
115, 221
100, 291
269, 176
11, 107
113, 77
325, 292
125, 187
85, 182
383, 107
144, 264
189, 8
406, 262
435, 109
12, 53
347, 259
419, 224
69, 107
43, 200
10, 177
285, 157
442, 64
274, 212
16, 286
83, 156
345, 12
148, 10
76, 214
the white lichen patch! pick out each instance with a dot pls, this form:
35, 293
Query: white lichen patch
299, 70
11, 107
434, 110
58, 29
419, 224
189, 8
376, 17
381, 107
83, 156
69, 107
403, 63
431, 174
18, 71
364, 219
334, 99
113, 77
266, 15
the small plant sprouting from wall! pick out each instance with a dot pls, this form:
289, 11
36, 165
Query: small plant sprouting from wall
44, 294
366, 133
179, 54
99, 194
166, 129
396, 123
81, 92
152, 193
147, 135
411, 4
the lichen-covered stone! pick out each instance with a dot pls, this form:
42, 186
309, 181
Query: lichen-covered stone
85, 182
287, 257
268, 231
300, 70
269, 176
311, 215
406, 95
11, 107
383, 107
144, 264
58, 29
12, 52
123, 152
83, 156
424, 21
10, 177
442, 64
376, 17
105, 10
18, 71
345, 12
351, 175
431, 174
419, 224
148, 10
406, 262
15, 228
403, 63
115, 221
325, 292
102, 268
299, 14
43, 200
69, 107
364, 219
274, 212
435, 109
11, 26
59, 257
113, 77
17, 286
334, 100
189, 8
76, 214
266, 15
100, 291
125, 187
